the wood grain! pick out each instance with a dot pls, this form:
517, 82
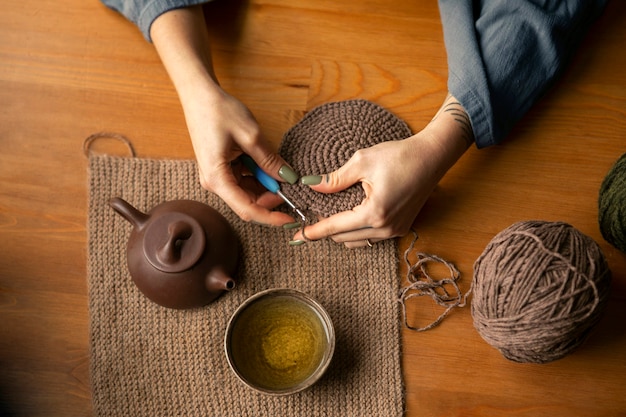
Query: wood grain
71, 68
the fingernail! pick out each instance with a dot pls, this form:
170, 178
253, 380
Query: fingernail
261, 224
288, 174
292, 225
296, 242
311, 179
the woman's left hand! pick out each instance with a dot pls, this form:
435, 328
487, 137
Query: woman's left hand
397, 177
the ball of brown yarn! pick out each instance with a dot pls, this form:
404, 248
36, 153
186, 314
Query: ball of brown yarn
612, 205
326, 138
539, 288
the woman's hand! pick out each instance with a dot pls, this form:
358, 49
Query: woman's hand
220, 126
222, 129
397, 177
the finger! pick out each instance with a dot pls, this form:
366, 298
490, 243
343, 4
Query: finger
361, 243
273, 164
359, 236
250, 208
258, 193
244, 193
338, 180
345, 226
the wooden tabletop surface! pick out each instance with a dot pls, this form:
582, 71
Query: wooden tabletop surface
71, 68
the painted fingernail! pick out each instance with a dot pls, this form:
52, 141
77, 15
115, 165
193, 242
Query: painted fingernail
311, 179
261, 224
296, 242
292, 225
288, 174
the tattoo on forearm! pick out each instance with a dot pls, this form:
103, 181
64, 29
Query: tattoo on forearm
456, 110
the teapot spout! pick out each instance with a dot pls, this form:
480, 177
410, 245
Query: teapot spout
127, 211
217, 281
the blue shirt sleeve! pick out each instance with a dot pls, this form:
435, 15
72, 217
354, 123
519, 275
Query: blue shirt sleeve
504, 54
143, 12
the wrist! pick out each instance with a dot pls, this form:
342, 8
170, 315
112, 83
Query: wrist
198, 90
450, 130
452, 124
444, 140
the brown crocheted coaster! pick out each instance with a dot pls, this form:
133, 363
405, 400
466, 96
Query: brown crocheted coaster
326, 138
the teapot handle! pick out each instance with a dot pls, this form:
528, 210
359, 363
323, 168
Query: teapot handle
178, 234
174, 242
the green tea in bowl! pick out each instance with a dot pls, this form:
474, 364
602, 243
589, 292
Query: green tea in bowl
279, 341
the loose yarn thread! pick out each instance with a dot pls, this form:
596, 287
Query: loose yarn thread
538, 290
89, 141
421, 284
612, 205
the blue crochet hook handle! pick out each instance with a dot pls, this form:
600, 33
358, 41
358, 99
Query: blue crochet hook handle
268, 182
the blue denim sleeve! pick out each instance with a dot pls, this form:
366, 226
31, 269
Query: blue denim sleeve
504, 54
143, 12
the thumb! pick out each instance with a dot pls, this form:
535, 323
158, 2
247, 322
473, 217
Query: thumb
332, 182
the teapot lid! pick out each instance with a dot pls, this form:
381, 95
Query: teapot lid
174, 242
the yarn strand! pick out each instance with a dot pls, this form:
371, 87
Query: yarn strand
107, 135
421, 284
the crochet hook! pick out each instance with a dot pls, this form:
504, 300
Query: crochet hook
270, 183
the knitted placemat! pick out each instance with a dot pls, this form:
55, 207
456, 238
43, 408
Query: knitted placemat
326, 138
147, 360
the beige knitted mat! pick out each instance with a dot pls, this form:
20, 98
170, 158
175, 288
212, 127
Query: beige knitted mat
147, 360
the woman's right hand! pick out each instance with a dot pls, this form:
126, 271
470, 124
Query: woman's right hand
220, 126
222, 129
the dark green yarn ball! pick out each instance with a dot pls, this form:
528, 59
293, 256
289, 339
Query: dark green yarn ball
612, 205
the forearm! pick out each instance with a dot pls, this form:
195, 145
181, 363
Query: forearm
181, 40
144, 12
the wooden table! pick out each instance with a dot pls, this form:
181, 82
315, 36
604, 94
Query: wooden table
72, 67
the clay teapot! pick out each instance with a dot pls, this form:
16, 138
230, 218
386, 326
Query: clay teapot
181, 254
